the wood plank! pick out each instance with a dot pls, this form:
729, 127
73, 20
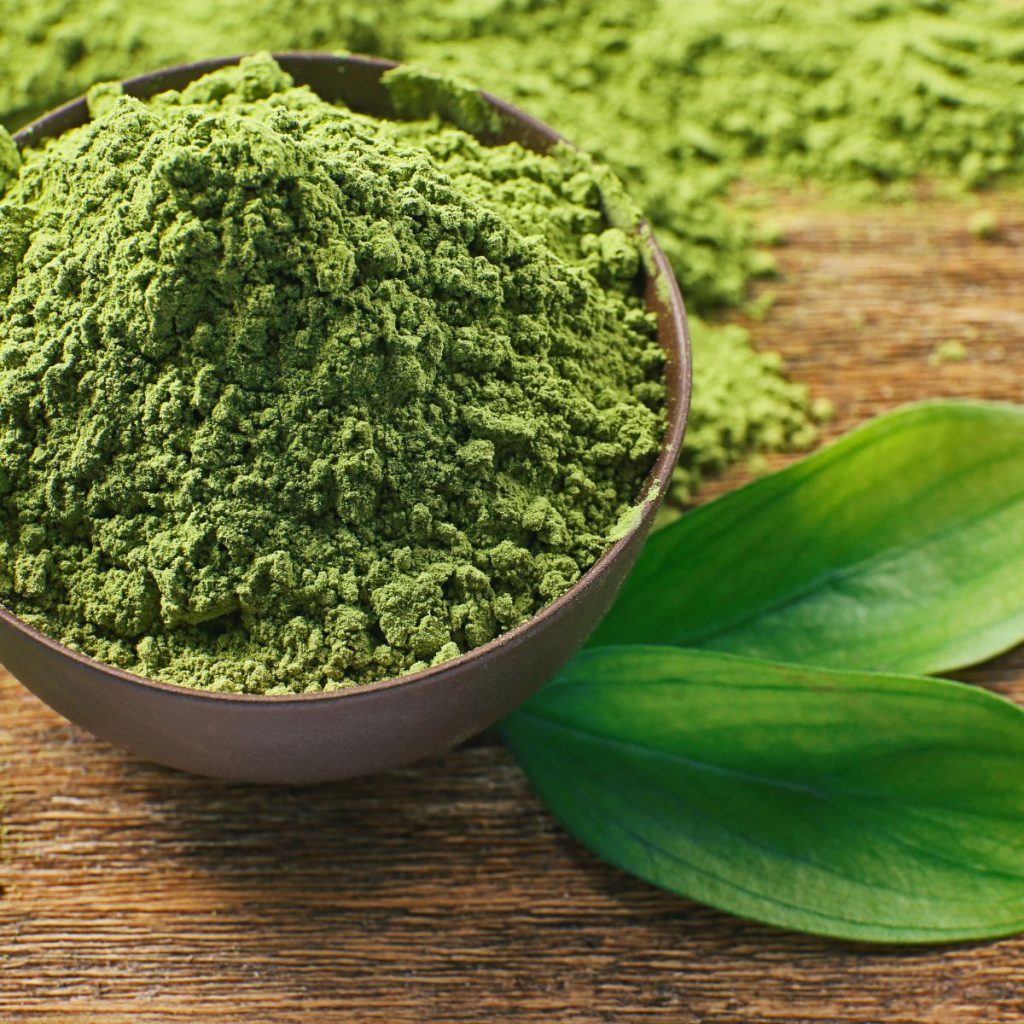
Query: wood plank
444, 892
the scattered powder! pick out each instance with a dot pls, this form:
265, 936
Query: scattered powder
950, 351
984, 225
771, 416
823, 410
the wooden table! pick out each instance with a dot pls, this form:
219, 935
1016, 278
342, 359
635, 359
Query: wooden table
444, 892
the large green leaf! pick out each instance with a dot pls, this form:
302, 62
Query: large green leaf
872, 807
899, 548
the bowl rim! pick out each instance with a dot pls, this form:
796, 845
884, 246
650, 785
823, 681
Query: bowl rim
678, 377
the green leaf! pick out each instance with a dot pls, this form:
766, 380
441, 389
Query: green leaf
872, 807
899, 548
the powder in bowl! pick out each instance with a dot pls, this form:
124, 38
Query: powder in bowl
295, 399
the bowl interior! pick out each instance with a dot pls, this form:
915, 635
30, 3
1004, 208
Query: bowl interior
425, 711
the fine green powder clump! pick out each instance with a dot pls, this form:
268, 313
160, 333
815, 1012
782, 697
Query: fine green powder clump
293, 398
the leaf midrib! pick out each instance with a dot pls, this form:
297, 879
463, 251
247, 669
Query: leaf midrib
937, 932
825, 795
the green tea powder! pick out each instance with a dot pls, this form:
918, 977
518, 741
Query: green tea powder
295, 399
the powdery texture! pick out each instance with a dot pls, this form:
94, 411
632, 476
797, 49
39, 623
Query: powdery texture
292, 398
660, 91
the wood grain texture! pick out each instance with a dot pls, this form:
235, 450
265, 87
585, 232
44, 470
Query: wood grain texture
444, 892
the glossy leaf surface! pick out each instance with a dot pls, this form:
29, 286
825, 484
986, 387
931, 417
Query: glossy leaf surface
870, 807
898, 548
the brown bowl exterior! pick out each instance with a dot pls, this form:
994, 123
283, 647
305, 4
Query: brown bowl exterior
318, 737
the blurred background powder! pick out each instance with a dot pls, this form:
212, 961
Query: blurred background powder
683, 99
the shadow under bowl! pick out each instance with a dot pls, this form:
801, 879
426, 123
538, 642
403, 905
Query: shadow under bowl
317, 737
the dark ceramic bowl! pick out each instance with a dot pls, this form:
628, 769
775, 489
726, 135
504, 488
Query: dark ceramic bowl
315, 737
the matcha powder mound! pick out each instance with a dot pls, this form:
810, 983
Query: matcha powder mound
294, 399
